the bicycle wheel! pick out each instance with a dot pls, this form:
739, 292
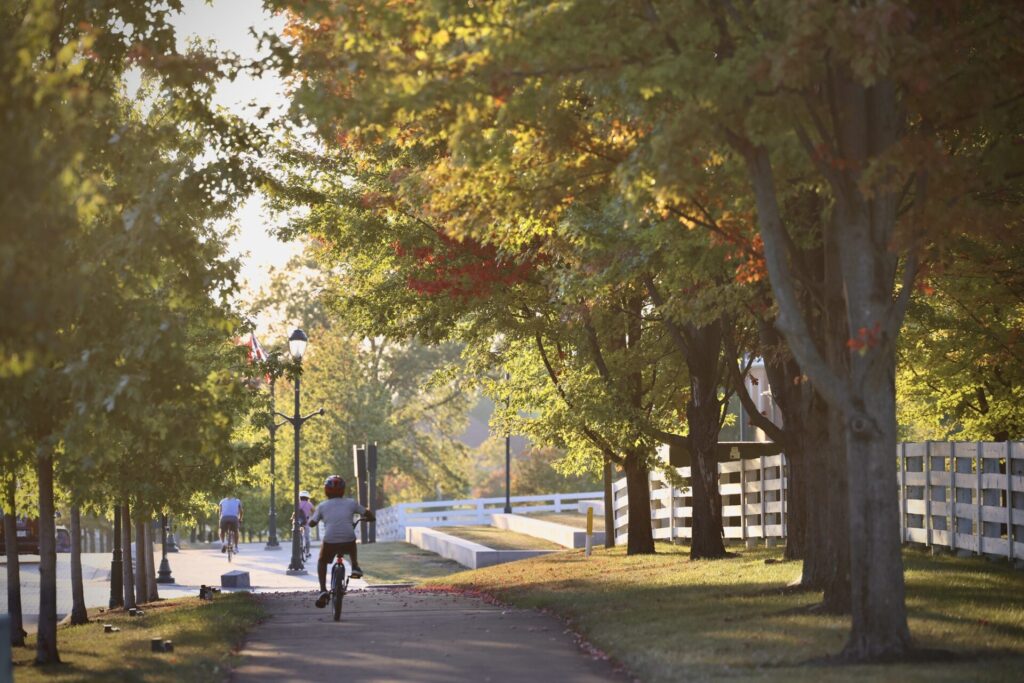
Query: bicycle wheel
337, 589
231, 544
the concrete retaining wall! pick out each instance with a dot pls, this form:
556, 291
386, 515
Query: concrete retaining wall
466, 553
562, 534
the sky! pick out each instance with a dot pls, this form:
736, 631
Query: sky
228, 23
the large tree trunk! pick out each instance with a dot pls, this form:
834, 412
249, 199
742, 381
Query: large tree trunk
703, 416
13, 566
876, 564
79, 614
128, 574
46, 640
152, 592
141, 593
640, 540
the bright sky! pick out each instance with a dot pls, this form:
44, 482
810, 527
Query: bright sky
228, 23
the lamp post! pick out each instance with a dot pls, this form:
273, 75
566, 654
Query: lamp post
297, 348
497, 342
165, 566
508, 456
272, 543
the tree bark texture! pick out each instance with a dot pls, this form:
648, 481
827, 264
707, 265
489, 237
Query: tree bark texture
79, 614
13, 566
152, 591
640, 540
128, 574
46, 638
703, 416
141, 592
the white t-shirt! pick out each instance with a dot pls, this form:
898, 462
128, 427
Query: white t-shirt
230, 507
337, 514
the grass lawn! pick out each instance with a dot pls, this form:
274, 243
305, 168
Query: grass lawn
402, 562
206, 636
668, 619
499, 539
574, 519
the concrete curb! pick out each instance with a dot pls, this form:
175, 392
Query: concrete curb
562, 534
466, 553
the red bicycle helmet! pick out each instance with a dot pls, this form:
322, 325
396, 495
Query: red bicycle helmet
334, 486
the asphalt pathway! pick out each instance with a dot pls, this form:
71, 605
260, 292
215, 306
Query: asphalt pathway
407, 635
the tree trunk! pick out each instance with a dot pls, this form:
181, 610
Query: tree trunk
141, 593
876, 564
640, 539
79, 614
152, 592
13, 567
46, 640
609, 502
703, 416
128, 574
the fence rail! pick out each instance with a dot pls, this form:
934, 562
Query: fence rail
392, 521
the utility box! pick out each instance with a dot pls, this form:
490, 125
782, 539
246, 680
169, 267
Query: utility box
235, 579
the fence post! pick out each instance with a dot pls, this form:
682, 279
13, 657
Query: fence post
764, 507
558, 502
928, 492
480, 512
1009, 501
743, 500
952, 496
979, 458
903, 492
783, 483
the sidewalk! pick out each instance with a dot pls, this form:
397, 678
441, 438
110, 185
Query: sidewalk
189, 568
404, 635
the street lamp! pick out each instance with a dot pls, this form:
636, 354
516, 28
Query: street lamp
297, 347
272, 543
496, 343
508, 454
165, 566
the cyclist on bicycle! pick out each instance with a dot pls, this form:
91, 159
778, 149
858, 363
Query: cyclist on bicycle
339, 538
230, 519
305, 512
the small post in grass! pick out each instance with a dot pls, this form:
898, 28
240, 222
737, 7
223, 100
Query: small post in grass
590, 529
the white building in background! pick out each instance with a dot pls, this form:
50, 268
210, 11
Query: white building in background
761, 393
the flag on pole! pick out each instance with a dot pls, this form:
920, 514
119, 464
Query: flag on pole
256, 352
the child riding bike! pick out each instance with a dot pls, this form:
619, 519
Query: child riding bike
305, 512
339, 538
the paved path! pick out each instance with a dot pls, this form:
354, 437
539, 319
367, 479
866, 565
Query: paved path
189, 568
403, 635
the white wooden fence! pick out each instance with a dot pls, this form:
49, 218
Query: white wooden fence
963, 496
966, 496
392, 521
753, 502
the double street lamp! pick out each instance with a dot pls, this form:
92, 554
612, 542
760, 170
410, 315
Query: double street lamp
297, 348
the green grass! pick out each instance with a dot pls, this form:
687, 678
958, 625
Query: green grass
402, 562
667, 619
206, 637
499, 539
573, 519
